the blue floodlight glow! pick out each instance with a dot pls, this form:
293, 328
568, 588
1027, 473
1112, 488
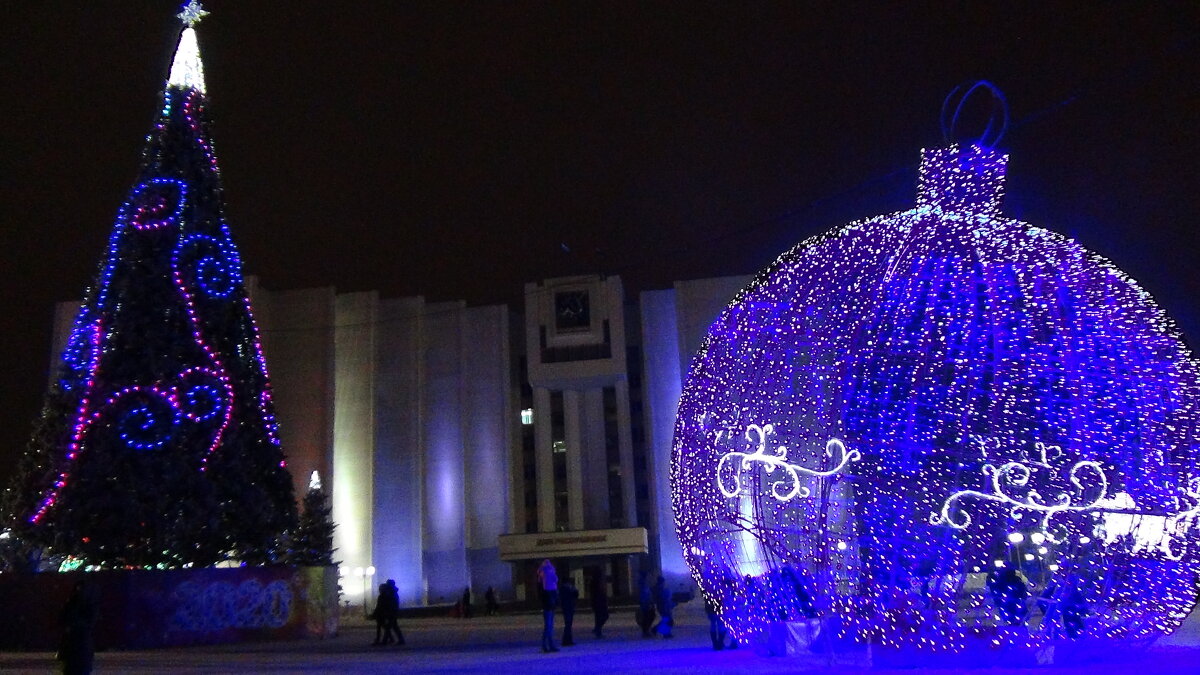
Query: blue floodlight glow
943, 428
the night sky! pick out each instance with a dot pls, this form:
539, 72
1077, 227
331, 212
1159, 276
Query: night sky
459, 150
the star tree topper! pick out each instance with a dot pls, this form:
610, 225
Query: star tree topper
192, 13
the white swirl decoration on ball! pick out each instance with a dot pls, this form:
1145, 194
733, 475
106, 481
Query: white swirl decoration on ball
1168, 534
1010, 477
733, 463
1178, 525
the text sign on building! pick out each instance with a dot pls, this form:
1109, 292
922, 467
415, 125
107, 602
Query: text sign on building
570, 544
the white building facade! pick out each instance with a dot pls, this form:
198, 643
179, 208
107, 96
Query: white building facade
463, 445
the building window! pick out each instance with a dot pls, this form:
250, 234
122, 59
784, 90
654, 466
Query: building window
527, 416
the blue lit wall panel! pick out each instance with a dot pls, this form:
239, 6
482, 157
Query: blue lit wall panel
661, 386
490, 416
444, 473
398, 448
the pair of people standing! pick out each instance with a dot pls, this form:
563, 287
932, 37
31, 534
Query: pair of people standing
652, 599
552, 592
387, 615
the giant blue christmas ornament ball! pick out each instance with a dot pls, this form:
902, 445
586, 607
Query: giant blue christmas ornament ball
939, 428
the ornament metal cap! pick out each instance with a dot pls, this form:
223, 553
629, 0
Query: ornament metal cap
955, 104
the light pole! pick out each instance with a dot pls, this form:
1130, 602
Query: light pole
369, 585
359, 572
365, 574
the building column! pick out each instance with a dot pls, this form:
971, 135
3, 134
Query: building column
516, 470
595, 460
399, 421
625, 437
571, 406
354, 434
544, 453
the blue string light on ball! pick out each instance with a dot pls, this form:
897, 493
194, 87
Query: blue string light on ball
943, 428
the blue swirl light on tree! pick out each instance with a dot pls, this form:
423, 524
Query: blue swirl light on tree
202, 395
80, 353
156, 204
208, 263
145, 420
942, 428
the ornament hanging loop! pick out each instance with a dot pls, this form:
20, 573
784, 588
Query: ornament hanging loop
953, 109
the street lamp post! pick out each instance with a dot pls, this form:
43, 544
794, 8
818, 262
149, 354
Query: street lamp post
359, 572
368, 585
365, 574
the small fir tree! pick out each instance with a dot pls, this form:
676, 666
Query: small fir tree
312, 543
157, 445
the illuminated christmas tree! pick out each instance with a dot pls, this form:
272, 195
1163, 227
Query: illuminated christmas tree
942, 428
157, 444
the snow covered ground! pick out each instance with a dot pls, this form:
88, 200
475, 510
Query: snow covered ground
510, 644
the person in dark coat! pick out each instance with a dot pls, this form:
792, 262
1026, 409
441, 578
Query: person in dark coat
568, 596
645, 615
716, 629
1008, 595
599, 604
380, 616
466, 603
799, 582
393, 618
1065, 608
1074, 609
78, 619
731, 584
548, 593
664, 604
489, 600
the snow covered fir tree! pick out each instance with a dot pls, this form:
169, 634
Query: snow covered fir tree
312, 543
157, 444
